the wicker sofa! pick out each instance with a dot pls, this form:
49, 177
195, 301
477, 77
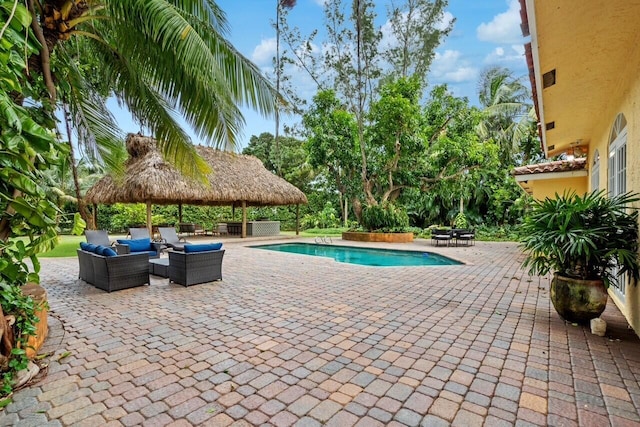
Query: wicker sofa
192, 268
113, 273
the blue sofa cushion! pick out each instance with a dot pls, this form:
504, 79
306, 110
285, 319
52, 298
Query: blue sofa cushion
203, 247
98, 249
89, 247
109, 252
83, 246
137, 245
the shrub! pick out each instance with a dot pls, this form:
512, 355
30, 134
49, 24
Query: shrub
385, 218
461, 220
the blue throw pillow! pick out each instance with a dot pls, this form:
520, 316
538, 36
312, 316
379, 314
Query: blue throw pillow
137, 245
98, 249
90, 247
83, 246
109, 252
203, 247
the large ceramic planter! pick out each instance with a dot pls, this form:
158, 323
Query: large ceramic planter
359, 236
578, 301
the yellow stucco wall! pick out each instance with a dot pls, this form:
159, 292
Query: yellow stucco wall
625, 99
549, 187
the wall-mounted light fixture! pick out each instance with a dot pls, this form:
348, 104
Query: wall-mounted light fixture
575, 150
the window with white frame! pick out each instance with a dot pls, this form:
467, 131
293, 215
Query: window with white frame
617, 181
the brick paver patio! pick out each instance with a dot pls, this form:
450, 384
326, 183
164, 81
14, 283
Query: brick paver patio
295, 340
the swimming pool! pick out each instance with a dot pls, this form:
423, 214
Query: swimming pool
363, 256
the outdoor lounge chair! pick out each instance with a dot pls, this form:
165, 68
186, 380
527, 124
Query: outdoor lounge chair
170, 238
440, 235
139, 233
101, 237
97, 237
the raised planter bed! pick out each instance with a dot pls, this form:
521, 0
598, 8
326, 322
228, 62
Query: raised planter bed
361, 236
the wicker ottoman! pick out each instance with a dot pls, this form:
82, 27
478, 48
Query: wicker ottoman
159, 267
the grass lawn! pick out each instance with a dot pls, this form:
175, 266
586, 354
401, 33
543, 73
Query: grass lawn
67, 246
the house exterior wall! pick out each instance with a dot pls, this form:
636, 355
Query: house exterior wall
625, 99
549, 187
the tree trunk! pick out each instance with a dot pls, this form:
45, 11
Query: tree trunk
82, 206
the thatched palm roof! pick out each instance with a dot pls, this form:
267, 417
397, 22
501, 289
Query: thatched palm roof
234, 178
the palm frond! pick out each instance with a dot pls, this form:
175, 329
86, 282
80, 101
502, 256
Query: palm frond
94, 125
153, 112
190, 63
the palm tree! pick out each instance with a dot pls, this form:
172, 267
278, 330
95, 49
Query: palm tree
506, 103
159, 58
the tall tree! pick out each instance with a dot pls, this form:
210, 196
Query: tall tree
417, 29
332, 143
508, 111
281, 8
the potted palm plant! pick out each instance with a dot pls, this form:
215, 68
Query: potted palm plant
587, 242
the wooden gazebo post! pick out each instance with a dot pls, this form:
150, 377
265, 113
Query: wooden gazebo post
244, 219
179, 212
149, 218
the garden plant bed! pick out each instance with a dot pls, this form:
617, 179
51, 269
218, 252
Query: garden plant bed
362, 236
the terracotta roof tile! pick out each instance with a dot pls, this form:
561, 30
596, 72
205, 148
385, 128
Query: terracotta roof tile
557, 166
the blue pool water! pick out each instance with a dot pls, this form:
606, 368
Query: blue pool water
363, 256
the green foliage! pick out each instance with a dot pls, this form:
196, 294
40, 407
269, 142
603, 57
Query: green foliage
584, 237
23, 308
461, 220
132, 215
287, 158
498, 233
27, 213
386, 218
326, 218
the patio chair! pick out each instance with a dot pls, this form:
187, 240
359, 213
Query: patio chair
139, 233
170, 238
441, 235
464, 235
192, 268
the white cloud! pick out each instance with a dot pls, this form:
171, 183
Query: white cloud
504, 28
451, 67
264, 52
515, 53
445, 21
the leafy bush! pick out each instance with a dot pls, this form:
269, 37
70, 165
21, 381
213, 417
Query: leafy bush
461, 220
495, 233
385, 218
327, 218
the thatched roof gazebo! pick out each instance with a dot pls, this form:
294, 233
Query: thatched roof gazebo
235, 180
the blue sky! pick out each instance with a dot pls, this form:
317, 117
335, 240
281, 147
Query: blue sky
486, 32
